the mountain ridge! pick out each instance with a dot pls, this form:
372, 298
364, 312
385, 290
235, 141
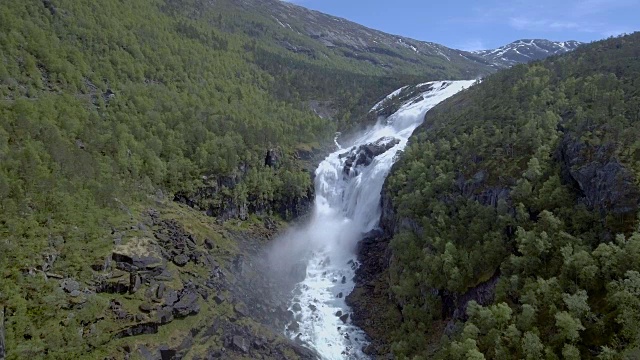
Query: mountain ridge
526, 50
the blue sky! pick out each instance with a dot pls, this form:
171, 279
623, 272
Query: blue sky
473, 25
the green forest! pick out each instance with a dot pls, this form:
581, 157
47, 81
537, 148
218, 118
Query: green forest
525, 186
105, 105
528, 185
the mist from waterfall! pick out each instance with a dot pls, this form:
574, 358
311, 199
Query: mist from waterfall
347, 205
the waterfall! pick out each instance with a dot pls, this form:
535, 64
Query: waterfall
347, 205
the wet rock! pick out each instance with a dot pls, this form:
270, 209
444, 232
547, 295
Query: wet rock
344, 280
364, 154
344, 318
338, 313
294, 326
340, 295
312, 307
296, 307
259, 343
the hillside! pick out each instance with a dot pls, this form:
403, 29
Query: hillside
322, 38
526, 50
511, 225
148, 152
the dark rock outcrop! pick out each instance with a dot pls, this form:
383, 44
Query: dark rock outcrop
138, 329
364, 154
454, 306
187, 304
603, 181
241, 344
272, 158
372, 307
210, 198
165, 315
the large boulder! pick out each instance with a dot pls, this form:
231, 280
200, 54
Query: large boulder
70, 285
364, 154
137, 254
240, 343
187, 305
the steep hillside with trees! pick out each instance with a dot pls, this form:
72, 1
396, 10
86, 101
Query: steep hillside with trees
110, 110
514, 216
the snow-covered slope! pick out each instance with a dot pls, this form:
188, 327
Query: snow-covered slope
523, 51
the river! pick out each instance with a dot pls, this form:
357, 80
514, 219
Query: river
347, 205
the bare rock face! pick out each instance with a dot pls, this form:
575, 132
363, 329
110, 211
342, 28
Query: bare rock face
604, 182
272, 158
364, 154
241, 344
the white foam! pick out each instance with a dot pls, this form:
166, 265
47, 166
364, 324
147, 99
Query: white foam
345, 208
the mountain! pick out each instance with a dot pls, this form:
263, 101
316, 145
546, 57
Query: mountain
319, 37
510, 225
150, 150
526, 50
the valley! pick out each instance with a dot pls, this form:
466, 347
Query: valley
245, 179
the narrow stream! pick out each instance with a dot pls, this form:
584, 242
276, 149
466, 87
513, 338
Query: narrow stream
347, 205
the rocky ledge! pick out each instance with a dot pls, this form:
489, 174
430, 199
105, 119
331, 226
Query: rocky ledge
363, 155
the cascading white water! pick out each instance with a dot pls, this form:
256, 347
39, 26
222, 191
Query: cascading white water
346, 207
